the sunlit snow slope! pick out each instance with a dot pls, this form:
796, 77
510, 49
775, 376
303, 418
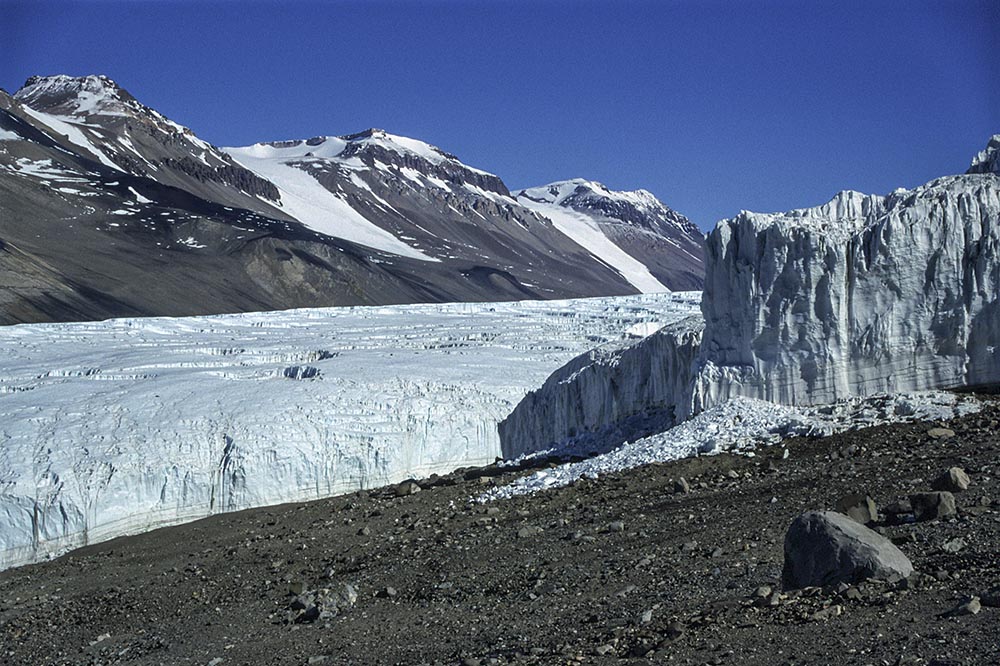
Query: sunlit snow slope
120, 426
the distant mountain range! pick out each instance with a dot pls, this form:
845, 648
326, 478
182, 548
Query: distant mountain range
108, 208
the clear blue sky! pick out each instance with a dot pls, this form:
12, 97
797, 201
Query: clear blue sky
714, 106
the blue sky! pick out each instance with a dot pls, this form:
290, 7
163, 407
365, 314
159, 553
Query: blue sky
712, 106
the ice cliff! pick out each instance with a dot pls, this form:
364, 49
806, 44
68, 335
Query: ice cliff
117, 427
865, 294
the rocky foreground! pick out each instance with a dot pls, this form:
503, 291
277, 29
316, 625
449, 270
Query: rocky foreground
637, 568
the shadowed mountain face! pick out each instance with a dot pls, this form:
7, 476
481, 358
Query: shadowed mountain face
107, 208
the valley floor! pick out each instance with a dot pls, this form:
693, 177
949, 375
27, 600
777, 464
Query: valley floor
621, 570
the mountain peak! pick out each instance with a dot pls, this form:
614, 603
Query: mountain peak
575, 191
988, 160
75, 96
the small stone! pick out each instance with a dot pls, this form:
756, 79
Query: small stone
674, 630
471, 661
215, 662
387, 593
300, 602
682, 486
364, 531
529, 531
295, 588
310, 614
953, 546
616, 526
604, 649
954, 479
318, 659
941, 433
991, 598
732, 474
930, 506
827, 613
408, 487
762, 592
970, 606
858, 507
646, 617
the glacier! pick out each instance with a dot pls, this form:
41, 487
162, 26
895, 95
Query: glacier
117, 427
865, 295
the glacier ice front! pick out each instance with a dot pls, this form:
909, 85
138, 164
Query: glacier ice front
863, 295
121, 426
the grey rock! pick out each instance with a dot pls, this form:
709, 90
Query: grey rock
682, 486
929, 506
954, 479
825, 548
529, 531
953, 545
407, 488
991, 598
969, 606
858, 507
941, 433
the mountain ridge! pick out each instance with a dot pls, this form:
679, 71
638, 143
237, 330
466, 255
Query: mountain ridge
130, 213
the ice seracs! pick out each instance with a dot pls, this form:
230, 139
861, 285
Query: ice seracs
863, 295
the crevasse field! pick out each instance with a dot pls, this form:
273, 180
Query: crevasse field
117, 427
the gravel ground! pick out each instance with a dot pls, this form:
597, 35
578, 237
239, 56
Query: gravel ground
627, 569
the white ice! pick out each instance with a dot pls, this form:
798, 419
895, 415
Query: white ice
737, 425
117, 427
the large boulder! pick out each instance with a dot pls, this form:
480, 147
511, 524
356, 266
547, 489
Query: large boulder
825, 548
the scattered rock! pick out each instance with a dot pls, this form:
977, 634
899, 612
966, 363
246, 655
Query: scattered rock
529, 531
953, 546
969, 606
954, 479
408, 487
941, 433
858, 507
825, 548
827, 613
931, 506
991, 598
682, 486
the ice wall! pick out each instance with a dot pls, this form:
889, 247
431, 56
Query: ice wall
617, 392
863, 295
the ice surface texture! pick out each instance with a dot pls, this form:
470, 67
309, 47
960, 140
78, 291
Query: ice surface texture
861, 296
121, 426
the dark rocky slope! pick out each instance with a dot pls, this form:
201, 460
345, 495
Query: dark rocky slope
623, 570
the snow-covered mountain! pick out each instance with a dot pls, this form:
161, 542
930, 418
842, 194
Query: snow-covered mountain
865, 294
109, 208
633, 231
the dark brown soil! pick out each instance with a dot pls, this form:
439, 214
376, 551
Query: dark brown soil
623, 571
